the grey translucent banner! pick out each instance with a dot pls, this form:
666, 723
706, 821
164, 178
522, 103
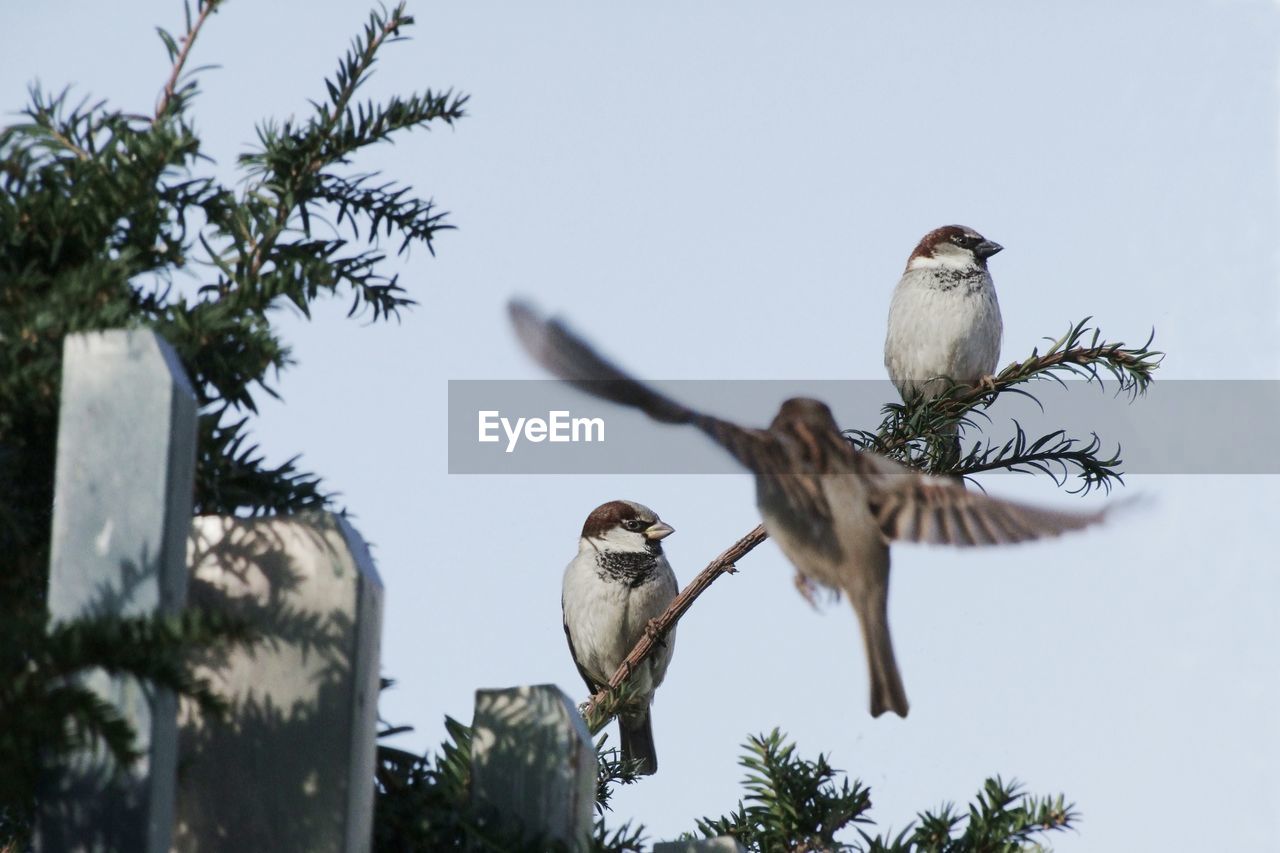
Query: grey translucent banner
550, 427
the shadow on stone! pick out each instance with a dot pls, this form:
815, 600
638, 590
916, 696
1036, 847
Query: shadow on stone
291, 767
533, 764
87, 800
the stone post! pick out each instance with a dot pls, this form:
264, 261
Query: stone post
292, 767
122, 511
533, 763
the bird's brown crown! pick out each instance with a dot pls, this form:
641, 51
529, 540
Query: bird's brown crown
805, 410
950, 235
609, 515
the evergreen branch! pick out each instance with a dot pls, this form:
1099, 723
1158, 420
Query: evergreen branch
611, 770
624, 839
289, 167
301, 269
357, 64
49, 123
797, 805
290, 160
370, 123
604, 705
1132, 367
383, 205
103, 209
232, 476
46, 702
792, 804
178, 52
336, 131
922, 433
1053, 455
1003, 817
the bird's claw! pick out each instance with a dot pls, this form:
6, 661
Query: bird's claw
654, 632
807, 589
988, 383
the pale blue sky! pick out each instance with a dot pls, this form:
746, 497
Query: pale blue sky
731, 192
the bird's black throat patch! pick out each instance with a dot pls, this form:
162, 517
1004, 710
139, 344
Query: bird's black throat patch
633, 568
970, 279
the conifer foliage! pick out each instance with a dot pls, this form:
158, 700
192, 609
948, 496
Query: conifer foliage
111, 218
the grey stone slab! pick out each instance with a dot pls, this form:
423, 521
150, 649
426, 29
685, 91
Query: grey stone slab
533, 763
122, 509
292, 767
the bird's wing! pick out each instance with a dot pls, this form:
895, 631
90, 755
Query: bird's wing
560, 351
592, 687
915, 507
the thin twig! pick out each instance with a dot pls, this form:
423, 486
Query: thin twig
722, 565
187, 40
80, 153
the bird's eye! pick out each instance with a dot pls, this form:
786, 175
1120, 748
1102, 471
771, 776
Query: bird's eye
632, 524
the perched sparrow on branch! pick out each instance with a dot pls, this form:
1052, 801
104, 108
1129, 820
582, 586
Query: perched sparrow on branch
832, 509
619, 581
944, 320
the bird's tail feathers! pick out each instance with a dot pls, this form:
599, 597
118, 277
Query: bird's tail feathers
635, 737
887, 692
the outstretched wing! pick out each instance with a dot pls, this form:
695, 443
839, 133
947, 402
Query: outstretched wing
560, 351
914, 507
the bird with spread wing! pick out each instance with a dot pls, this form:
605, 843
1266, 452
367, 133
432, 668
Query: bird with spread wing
832, 509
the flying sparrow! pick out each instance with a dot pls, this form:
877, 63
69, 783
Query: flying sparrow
619, 581
833, 510
944, 320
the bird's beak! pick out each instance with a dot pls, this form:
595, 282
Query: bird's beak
658, 530
987, 248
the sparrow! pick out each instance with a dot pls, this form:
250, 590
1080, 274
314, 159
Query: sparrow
618, 582
832, 509
944, 319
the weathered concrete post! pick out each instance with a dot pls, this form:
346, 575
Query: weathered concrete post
533, 762
292, 767
122, 511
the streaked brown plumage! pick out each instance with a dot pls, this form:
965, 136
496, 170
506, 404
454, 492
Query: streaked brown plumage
833, 510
